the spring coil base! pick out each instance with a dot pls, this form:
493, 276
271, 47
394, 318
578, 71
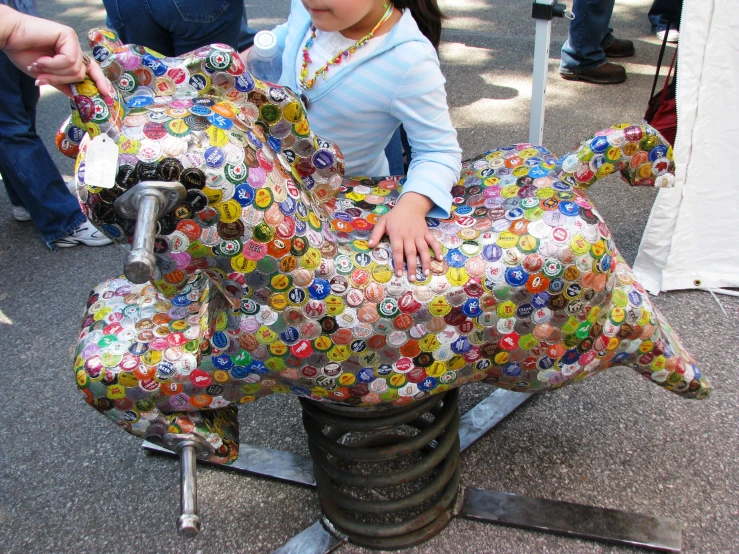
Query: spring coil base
423, 491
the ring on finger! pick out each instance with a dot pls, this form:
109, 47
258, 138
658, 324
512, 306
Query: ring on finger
86, 60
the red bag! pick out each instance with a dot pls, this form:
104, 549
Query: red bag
662, 108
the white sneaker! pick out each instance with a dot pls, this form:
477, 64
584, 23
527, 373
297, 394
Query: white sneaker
21, 214
673, 36
85, 234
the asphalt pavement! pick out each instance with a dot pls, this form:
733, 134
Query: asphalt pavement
71, 482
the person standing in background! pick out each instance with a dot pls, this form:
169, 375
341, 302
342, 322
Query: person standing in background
590, 42
174, 27
664, 14
34, 185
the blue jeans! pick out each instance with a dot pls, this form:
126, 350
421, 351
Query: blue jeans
394, 154
31, 178
174, 27
663, 12
589, 35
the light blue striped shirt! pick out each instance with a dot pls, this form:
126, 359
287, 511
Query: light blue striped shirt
362, 104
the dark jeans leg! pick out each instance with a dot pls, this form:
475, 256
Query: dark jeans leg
589, 33
135, 24
25, 164
663, 12
246, 34
174, 27
394, 154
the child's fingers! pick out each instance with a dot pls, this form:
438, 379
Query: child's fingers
377, 232
410, 258
397, 247
423, 252
434, 245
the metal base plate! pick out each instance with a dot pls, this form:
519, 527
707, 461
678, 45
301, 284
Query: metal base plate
575, 520
487, 414
312, 540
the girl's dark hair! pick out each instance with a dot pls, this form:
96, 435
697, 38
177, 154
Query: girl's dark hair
428, 16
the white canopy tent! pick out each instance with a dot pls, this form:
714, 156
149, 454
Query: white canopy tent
692, 237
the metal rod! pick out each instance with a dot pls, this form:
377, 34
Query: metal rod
539, 82
146, 202
258, 460
188, 524
141, 262
575, 520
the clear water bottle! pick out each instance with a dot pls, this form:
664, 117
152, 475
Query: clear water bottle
264, 60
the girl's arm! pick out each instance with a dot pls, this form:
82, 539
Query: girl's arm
420, 104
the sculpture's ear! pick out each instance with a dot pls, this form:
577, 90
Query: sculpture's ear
316, 163
95, 113
102, 40
92, 113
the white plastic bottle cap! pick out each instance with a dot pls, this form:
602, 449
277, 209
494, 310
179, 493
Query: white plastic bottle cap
265, 44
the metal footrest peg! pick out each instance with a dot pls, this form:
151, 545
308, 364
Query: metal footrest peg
189, 447
262, 461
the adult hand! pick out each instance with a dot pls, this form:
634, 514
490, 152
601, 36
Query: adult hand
48, 51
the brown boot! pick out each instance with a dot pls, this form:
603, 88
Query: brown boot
606, 74
620, 48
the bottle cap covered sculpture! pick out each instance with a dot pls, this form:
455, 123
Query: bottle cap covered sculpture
265, 282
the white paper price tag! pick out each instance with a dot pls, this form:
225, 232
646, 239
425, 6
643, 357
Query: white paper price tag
101, 163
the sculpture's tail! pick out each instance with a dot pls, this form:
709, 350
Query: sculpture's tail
639, 152
91, 112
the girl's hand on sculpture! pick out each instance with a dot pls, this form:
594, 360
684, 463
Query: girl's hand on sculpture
405, 226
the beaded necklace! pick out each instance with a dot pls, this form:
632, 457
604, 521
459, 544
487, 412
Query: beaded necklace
308, 83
